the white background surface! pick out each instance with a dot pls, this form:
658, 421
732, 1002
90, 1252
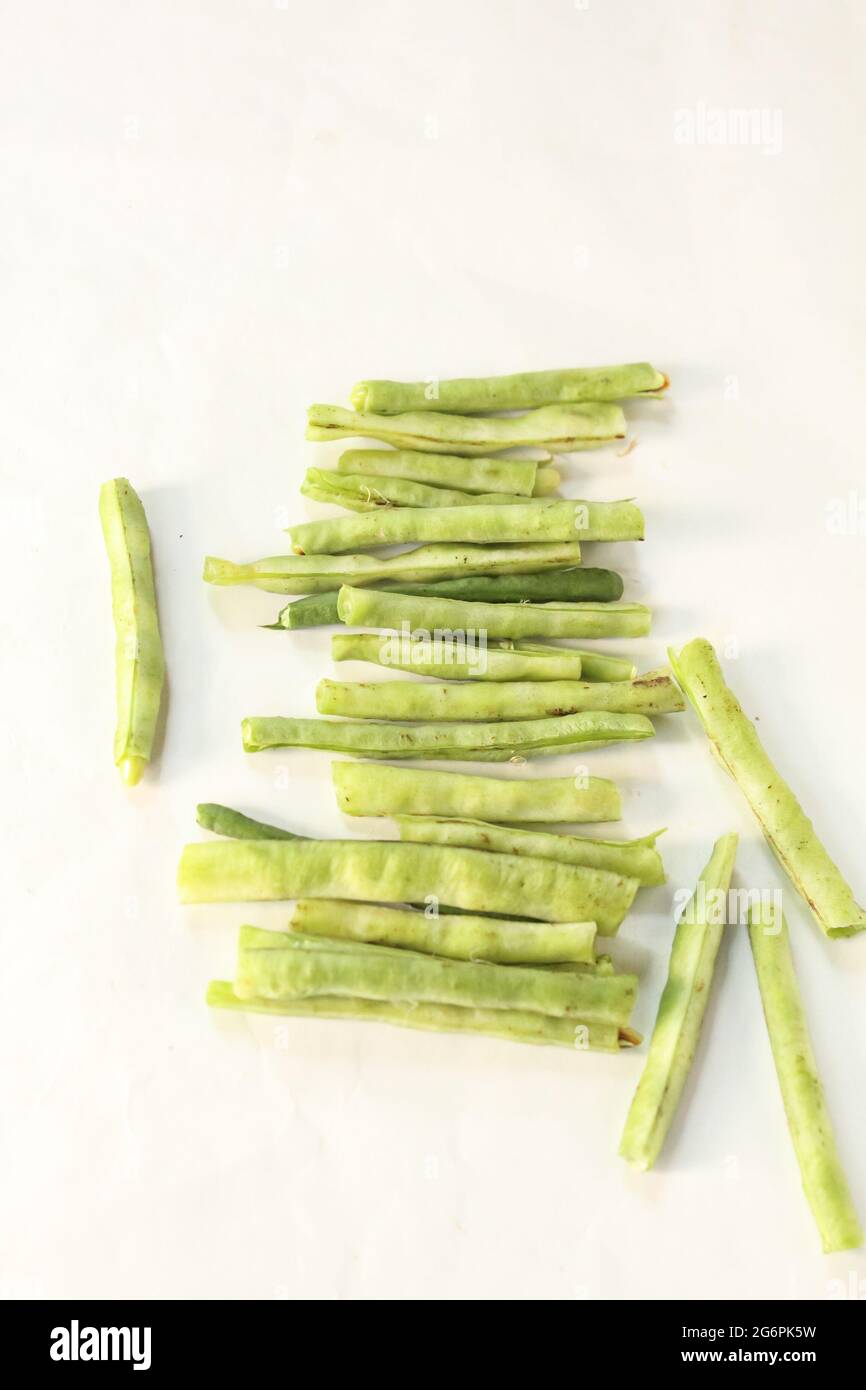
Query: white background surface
215, 214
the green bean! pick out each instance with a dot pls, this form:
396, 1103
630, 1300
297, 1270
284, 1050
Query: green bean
313, 574
365, 789
582, 582
559, 429
635, 858
520, 391
602, 585
367, 493
388, 871
464, 937
499, 742
447, 616
652, 694
681, 1010
222, 820
785, 824
469, 475
540, 520
448, 658
821, 1170
508, 1024
299, 967
139, 660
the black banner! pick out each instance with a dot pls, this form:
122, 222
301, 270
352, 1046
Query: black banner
156, 1338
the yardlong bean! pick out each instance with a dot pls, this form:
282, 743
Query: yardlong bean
652, 694
511, 1025
681, 1010
388, 871
823, 1176
788, 830
499, 742
365, 789
296, 966
508, 941
367, 493
375, 608
516, 391
314, 574
635, 858
559, 429
139, 660
522, 476
448, 658
542, 519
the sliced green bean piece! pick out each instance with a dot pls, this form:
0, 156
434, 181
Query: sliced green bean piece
559, 429
463, 937
509, 1024
821, 1170
574, 585
517, 391
388, 871
506, 660
681, 1010
375, 608
299, 967
520, 476
139, 660
222, 820
313, 574
541, 519
652, 694
364, 789
788, 830
500, 742
635, 858
367, 493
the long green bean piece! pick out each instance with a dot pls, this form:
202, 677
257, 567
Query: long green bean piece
518, 391
315, 574
522, 476
559, 429
635, 858
366, 493
295, 966
478, 742
574, 585
652, 694
222, 820
388, 871
139, 660
824, 1180
375, 608
542, 520
507, 941
446, 658
629, 858
681, 1010
364, 789
785, 824
509, 1024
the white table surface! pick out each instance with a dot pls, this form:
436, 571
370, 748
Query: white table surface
216, 213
